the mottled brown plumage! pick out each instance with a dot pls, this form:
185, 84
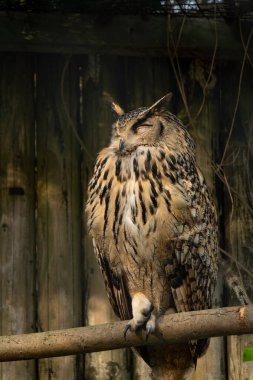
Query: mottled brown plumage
154, 228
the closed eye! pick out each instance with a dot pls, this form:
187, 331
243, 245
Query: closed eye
137, 126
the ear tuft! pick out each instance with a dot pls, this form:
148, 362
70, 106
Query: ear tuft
117, 109
115, 106
161, 104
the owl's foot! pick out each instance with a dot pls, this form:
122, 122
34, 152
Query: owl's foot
142, 314
150, 326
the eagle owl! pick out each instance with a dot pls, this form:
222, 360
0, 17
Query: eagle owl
154, 229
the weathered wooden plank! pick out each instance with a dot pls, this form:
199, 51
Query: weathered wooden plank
146, 80
238, 166
59, 208
122, 35
205, 132
17, 202
103, 76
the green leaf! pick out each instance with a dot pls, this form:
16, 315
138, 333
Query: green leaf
248, 354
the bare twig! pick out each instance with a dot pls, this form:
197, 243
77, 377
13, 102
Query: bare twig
171, 329
211, 68
244, 46
177, 70
219, 172
234, 259
233, 278
237, 98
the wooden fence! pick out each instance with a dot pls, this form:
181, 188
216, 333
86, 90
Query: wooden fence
53, 121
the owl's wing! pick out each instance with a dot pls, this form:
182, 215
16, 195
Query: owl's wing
115, 286
191, 279
191, 268
117, 293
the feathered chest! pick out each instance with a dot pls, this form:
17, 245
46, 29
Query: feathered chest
138, 194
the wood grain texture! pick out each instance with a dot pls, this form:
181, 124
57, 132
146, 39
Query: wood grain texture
59, 208
239, 226
100, 78
17, 202
205, 131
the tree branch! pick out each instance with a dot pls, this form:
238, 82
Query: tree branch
171, 329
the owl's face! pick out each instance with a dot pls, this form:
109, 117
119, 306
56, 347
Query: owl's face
143, 126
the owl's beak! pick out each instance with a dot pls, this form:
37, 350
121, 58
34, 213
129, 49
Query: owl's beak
122, 145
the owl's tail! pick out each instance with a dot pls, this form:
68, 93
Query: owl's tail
171, 363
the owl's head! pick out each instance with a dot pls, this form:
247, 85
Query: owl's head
143, 126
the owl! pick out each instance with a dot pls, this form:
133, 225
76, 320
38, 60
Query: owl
154, 229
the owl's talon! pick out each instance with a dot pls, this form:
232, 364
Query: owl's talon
148, 332
132, 325
128, 327
150, 326
142, 315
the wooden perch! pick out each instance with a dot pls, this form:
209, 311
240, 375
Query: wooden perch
171, 329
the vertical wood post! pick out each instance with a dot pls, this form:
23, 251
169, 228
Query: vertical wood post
59, 208
205, 133
102, 75
17, 218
